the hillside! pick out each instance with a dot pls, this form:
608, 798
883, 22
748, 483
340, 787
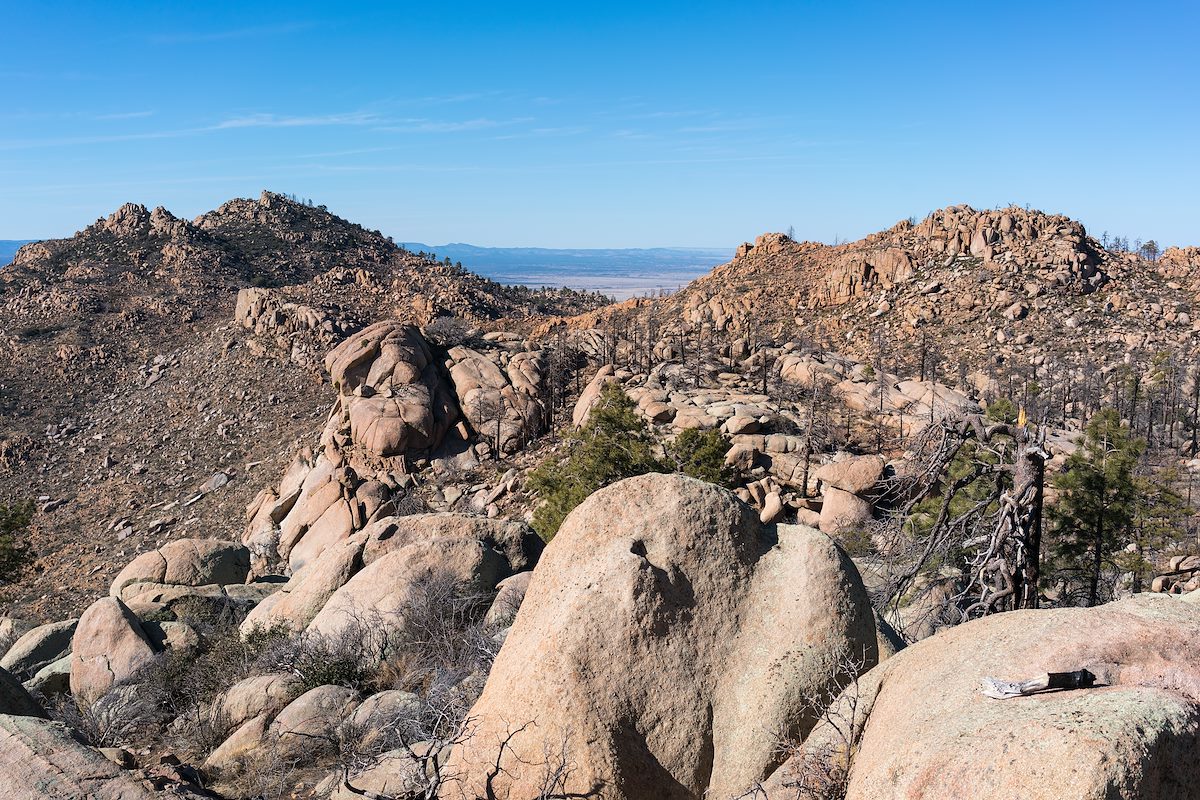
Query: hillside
125, 386
963, 289
294, 486
9, 248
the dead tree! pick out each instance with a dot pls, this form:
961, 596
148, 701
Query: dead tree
993, 536
426, 760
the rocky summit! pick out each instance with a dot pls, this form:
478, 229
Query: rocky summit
289, 511
986, 288
131, 387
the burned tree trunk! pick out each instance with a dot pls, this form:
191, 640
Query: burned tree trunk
996, 535
1029, 488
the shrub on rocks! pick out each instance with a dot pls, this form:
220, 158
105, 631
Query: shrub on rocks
700, 454
614, 443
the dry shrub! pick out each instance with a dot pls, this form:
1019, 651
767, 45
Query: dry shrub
436, 646
818, 768
122, 716
263, 774
441, 630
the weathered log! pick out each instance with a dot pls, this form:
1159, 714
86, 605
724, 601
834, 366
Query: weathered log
1003, 690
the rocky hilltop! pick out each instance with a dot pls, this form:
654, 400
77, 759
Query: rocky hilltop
127, 388
984, 289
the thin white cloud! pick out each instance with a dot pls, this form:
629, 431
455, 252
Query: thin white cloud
264, 120
463, 97
68, 141
533, 133
625, 133
358, 151
123, 115
446, 126
34, 116
378, 168
199, 37
47, 188
716, 129
277, 121
674, 114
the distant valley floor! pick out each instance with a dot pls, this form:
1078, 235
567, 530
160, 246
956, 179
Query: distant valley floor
9, 248
617, 273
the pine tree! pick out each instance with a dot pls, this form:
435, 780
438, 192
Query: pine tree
1158, 512
613, 444
14, 550
701, 454
1098, 500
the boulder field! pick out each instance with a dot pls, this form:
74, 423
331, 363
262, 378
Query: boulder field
667, 643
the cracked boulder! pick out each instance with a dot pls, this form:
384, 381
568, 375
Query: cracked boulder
109, 647
393, 398
665, 637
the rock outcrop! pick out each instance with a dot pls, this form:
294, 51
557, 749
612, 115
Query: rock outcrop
664, 636
185, 562
499, 395
923, 729
321, 502
304, 332
308, 723
590, 395
145, 343
41, 759
392, 394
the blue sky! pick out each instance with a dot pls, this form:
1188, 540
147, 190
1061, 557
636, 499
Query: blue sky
604, 124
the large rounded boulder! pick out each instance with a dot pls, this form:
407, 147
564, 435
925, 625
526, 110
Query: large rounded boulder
109, 646
393, 394
666, 638
401, 554
185, 562
480, 552
923, 728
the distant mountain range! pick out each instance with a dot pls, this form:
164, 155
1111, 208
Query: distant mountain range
618, 272
9, 248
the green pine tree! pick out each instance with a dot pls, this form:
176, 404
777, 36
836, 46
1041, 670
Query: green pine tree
14, 551
1158, 512
701, 454
613, 444
1098, 500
